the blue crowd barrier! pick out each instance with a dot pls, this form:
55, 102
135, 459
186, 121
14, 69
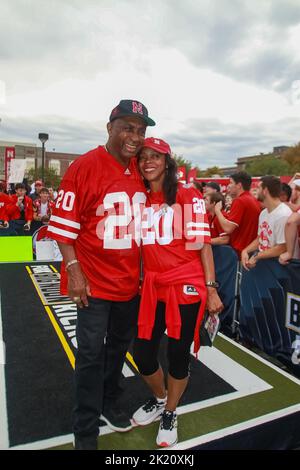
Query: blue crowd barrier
269, 315
226, 266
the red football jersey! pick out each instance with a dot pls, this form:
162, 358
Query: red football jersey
172, 236
244, 213
98, 210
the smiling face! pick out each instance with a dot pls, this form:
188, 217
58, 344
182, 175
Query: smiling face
126, 137
44, 195
152, 165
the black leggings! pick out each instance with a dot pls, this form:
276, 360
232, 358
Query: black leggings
145, 351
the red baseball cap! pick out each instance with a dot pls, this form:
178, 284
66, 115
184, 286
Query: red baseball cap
157, 144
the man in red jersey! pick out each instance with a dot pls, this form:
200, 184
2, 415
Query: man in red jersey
241, 222
96, 221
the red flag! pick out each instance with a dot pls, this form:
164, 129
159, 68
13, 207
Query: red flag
192, 175
181, 174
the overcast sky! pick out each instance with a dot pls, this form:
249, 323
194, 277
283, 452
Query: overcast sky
220, 77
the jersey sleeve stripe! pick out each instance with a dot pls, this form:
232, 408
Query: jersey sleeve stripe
197, 225
64, 233
63, 221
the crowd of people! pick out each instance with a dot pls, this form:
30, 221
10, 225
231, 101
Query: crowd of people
103, 234
263, 224
25, 208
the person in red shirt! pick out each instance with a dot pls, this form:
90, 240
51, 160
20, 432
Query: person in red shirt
4, 201
178, 265
20, 210
241, 222
42, 209
96, 222
218, 236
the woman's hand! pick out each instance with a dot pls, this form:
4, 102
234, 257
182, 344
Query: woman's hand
213, 303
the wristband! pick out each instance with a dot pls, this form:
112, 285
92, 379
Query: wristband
213, 284
73, 261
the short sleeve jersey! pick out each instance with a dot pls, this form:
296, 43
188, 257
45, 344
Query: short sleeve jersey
172, 236
98, 211
244, 213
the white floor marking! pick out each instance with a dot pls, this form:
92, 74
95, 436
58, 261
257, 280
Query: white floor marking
236, 428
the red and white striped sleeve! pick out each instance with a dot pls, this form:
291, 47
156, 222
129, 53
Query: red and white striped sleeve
64, 225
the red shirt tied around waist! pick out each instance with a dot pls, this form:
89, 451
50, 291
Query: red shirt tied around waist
178, 267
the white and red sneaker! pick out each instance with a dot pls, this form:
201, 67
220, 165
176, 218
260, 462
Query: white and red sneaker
148, 412
167, 433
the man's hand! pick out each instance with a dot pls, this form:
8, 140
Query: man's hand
45, 219
4, 224
78, 286
27, 226
213, 303
245, 259
252, 262
218, 206
20, 201
285, 257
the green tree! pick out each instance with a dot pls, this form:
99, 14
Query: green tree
182, 162
214, 170
51, 177
292, 157
268, 165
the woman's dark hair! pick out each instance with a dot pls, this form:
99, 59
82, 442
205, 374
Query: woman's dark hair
170, 182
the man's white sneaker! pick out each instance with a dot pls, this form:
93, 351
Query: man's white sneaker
149, 411
167, 433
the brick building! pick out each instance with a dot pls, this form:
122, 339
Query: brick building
33, 155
